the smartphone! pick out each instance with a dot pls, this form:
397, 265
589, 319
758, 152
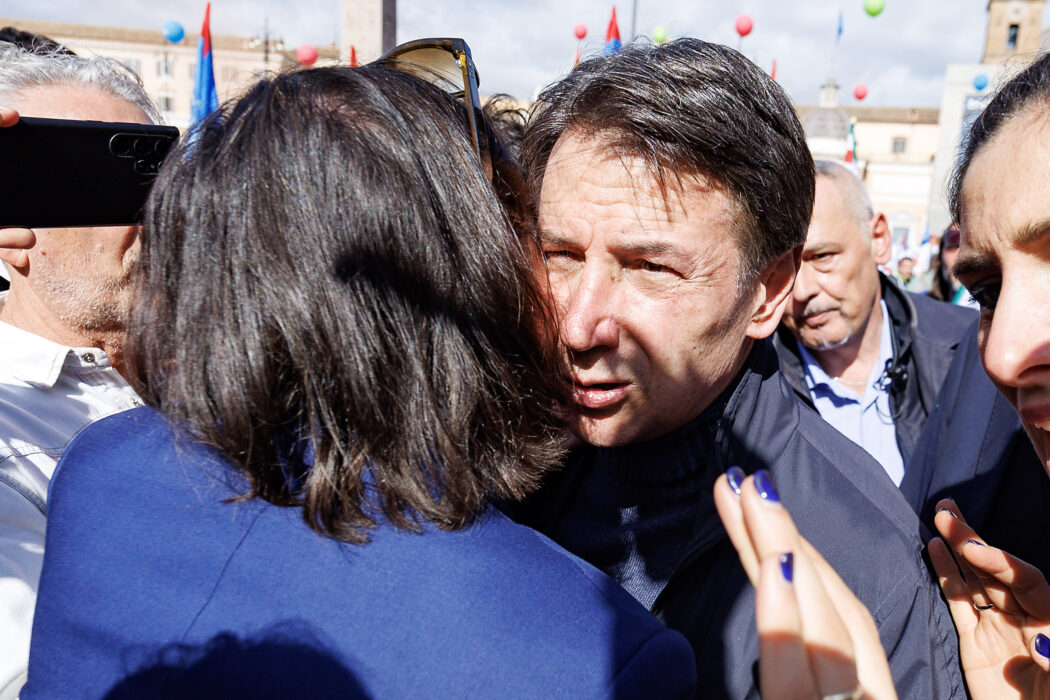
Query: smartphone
65, 173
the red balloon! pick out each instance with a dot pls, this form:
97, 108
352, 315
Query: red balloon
860, 91
306, 54
744, 25
580, 31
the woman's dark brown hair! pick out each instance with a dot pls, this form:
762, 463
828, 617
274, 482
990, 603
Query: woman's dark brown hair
331, 295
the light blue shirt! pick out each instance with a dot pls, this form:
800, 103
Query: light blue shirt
865, 419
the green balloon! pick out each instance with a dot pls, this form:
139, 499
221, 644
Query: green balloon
874, 7
659, 34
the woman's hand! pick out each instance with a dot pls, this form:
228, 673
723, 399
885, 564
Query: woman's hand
1001, 608
816, 640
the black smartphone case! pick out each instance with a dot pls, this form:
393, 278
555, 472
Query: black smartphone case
63, 173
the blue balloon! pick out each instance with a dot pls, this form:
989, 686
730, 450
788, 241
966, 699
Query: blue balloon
173, 31
980, 81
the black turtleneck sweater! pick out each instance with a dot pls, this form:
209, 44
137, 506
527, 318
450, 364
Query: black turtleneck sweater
635, 511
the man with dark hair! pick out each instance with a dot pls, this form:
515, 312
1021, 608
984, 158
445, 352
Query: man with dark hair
62, 328
876, 361
674, 188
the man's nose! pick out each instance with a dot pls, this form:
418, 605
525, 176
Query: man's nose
588, 313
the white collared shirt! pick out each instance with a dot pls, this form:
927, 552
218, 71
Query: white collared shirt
865, 417
48, 393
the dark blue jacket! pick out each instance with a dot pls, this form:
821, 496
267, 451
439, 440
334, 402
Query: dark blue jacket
981, 457
155, 583
841, 500
958, 435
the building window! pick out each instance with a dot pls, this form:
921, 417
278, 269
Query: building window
165, 101
1011, 37
165, 66
134, 65
900, 144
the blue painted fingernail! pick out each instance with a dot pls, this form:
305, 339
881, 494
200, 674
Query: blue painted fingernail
980, 544
765, 488
1042, 645
735, 477
787, 568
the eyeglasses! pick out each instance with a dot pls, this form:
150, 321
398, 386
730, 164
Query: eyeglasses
446, 63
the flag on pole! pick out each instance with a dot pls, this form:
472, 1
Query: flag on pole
612, 35
851, 143
353, 57
205, 98
838, 33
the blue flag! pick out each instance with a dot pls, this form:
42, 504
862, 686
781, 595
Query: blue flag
838, 34
205, 98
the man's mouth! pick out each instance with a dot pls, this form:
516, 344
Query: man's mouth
818, 318
599, 395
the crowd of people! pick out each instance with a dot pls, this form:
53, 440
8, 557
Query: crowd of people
395, 394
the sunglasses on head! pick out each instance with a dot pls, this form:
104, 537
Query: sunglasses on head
447, 64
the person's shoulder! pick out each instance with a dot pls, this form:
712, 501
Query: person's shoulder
941, 319
845, 481
525, 574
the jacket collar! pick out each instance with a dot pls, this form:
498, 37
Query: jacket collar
746, 426
902, 313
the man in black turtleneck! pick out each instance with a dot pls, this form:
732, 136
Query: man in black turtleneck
675, 189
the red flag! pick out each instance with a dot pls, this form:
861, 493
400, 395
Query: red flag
353, 56
613, 32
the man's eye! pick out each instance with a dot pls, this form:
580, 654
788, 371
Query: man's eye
649, 266
986, 294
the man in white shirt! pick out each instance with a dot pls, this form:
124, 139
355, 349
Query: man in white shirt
61, 329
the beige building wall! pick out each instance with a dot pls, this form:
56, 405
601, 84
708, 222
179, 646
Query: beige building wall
168, 70
895, 150
1014, 28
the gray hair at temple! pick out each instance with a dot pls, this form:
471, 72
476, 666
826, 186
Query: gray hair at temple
691, 108
22, 70
854, 195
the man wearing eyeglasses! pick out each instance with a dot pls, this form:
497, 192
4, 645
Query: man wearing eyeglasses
675, 189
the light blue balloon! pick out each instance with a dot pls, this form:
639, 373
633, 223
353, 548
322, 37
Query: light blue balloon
980, 81
173, 31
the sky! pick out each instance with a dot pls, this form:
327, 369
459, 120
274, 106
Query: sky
521, 45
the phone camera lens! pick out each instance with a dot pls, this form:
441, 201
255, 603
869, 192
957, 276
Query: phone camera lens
162, 146
142, 147
120, 145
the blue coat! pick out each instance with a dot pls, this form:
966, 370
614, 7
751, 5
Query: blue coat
155, 583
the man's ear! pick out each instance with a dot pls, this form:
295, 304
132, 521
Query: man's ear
772, 292
881, 240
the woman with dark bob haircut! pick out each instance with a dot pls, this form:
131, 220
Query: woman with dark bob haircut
345, 360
